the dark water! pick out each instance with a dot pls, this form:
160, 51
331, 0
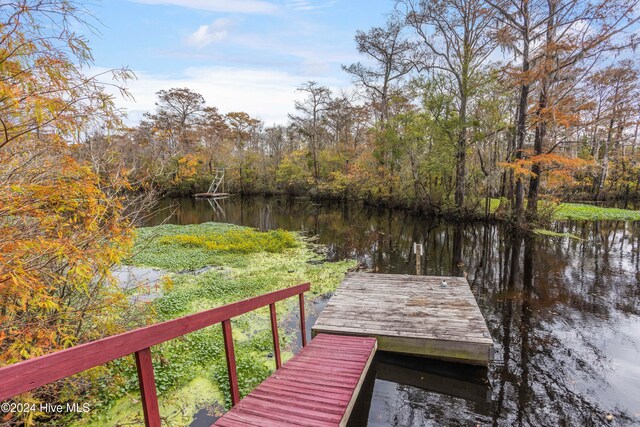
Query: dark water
564, 313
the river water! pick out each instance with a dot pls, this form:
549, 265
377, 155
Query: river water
564, 313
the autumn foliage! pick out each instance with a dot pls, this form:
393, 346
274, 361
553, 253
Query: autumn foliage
62, 225
60, 235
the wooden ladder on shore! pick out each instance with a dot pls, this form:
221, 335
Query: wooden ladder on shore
218, 179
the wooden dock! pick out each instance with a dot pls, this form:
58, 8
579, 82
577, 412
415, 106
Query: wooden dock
410, 314
316, 388
319, 385
211, 195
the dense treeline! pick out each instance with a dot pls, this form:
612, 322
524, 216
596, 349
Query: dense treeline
457, 102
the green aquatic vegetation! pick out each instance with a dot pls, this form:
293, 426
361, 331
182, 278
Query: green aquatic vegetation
583, 212
251, 371
242, 241
198, 358
176, 408
190, 247
549, 233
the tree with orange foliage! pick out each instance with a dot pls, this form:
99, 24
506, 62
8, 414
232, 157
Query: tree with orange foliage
558, 41
577, 33
59, 232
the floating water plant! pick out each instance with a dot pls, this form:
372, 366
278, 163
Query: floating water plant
246, 263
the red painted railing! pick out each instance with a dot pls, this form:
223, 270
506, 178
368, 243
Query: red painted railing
33, 373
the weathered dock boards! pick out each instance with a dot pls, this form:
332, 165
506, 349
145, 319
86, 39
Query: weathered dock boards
316, 388
410, 314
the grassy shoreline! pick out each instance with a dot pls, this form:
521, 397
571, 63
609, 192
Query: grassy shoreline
245, 263
585, 212
569, 211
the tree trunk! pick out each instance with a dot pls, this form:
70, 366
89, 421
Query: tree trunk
522, 114
538, 144
543, 102
536, 170
604, 171
508, 183
461, 158
518, 207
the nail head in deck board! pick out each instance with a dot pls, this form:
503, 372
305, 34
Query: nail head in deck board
317, 387
410, 314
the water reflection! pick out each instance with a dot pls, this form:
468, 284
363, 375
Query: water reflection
564, 313
409, 391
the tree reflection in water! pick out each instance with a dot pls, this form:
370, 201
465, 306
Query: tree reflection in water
564, 313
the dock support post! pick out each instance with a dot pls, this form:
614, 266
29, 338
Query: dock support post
303, 323
147, 388
231, 361
274, 333
418, 249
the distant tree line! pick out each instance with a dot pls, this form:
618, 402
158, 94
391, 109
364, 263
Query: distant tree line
456, 103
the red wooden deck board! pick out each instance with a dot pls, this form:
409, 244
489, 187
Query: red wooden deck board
314, 388
306, 388
298, 394
307, 403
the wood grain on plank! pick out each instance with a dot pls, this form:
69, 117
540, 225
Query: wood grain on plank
317, 387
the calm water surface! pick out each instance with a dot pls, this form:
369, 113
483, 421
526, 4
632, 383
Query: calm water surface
564, 313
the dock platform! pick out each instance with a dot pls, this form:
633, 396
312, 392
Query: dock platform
211, 195
415, 315
318, 387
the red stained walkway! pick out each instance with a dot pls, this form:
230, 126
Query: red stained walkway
316, 388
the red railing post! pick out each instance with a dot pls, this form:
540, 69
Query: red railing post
147, 388
303, 323
274, 333
231, 361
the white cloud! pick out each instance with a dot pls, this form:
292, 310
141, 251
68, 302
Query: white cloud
238, 6
309, 4
266, 94
207, 34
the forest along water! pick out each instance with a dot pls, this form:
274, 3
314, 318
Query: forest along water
564, 312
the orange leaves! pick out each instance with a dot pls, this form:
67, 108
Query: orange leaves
518, 77
187, 168
558, 168
42, 87
551, 161
506, 36
561, 114
520, 168
58, 233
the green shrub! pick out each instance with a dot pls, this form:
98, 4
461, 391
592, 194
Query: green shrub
243, 241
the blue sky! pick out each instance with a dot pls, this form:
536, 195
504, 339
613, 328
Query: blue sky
240, 54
